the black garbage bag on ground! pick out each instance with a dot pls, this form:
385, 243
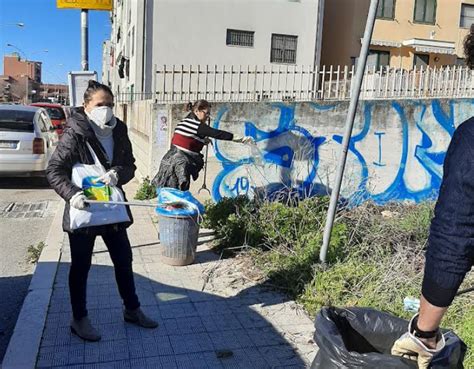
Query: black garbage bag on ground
362, 338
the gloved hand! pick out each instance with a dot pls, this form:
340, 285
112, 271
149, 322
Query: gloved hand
245, 140
413, 348
110, 178
78, 201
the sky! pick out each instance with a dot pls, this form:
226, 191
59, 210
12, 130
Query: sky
52, 29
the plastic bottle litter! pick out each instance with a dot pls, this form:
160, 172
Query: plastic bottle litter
411, 304
256, 154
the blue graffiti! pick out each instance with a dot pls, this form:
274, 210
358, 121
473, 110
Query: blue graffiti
282, 156
409, 157
379, 162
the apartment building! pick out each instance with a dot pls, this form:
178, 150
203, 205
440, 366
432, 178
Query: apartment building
407, 33
150, 33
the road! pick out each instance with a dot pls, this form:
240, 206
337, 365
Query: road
27, 208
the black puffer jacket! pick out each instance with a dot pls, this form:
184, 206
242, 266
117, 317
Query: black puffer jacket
72, 150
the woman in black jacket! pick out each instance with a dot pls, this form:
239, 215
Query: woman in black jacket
107, 136
184, 159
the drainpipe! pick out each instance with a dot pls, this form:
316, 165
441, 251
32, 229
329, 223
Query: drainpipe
348, 130
145, 5
318, 44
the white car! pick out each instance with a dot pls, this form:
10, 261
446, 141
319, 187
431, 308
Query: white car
27, 140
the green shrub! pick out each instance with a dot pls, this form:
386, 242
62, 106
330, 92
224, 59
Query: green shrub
146, 191
232, 220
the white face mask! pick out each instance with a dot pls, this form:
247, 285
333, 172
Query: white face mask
100, 115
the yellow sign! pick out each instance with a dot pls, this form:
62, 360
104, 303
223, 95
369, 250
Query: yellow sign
85, 4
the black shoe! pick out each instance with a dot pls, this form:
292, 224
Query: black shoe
84, 329
137, 317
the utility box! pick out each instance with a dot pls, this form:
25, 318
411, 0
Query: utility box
78, 82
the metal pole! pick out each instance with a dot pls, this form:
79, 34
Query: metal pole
348, 129
85, 39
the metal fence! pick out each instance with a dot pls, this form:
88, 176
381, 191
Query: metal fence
302, 83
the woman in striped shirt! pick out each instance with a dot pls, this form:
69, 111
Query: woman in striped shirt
184, 159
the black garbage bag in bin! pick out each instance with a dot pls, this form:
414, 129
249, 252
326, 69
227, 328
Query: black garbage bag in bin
362, 338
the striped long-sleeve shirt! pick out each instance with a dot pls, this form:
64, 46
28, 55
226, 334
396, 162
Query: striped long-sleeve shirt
190, 134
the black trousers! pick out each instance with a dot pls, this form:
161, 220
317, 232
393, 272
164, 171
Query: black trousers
82, 245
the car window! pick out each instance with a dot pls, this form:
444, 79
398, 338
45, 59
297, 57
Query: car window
16, 120
55, 113
44, 122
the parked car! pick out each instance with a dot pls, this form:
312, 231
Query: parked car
56, 113
27, 140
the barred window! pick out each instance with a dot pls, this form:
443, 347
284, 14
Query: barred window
239, 38
283, 49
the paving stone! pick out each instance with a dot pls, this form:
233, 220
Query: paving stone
61, 356
221, 322
251, 319
45, 357
91, 352
198, 296
177, 310
205, 360
246, 358
211, 307
188, 343
112, 332
184, 325
229, 340
76, 354
265, 337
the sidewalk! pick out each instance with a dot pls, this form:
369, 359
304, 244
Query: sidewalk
202, 309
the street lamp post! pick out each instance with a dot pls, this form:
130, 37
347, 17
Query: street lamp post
19, 24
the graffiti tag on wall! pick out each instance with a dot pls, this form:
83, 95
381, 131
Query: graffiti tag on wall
396, 152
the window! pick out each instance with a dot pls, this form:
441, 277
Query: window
386, 9
55, 113
425, 11
421, 60
378, 58
283, 49
467, 15
239, 38
461, 62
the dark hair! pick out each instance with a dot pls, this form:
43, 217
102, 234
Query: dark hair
469, 48
199, 105
93, 87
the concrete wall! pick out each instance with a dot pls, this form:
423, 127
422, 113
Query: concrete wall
149, 133
396, 152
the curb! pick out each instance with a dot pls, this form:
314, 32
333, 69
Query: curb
22, 350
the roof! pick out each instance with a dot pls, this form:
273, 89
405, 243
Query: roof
19, 107
47, 105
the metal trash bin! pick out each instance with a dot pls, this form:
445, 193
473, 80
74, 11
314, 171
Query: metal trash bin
178, 238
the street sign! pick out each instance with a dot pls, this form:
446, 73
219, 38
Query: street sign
78, 82
85, 4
